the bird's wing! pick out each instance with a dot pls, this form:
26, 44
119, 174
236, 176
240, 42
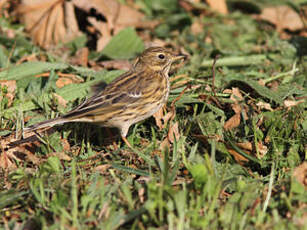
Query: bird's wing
124, 91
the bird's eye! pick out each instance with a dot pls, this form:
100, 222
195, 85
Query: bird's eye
161, 56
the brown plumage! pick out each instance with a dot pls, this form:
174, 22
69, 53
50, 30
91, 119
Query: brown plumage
130, 98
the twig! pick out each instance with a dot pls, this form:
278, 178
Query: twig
267, 199
213, 74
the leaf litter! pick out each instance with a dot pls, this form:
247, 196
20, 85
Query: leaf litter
209, 127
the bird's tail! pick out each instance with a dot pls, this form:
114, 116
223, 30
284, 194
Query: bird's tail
44, 124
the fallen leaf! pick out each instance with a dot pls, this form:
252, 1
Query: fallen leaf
105, 33
5, 6
197, 27
245, 145
6, 163
233, 122
61, 155
156, 42
118, 16
228, 91
291, 103
61, 82
27, 58
173, 132
65, 144
187, 6
66, 79
236, 108
263, 105
236, 95
60, 100
167, 117
9, 155
158, 118
48, 22
30, 156
262, 149
115, 64
141, 194
238, 157
283, 17
300, 174
165, 144
218, 5
81, 57
11, 88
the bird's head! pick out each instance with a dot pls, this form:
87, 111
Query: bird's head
157, 59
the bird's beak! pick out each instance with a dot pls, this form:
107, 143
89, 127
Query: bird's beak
179, 57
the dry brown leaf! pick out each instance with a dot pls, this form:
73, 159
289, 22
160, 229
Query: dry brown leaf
291, 103
197, 27
27, 58
105, 34
60, 100
48, 22
262, 149
11, 88
263, 105
300, 174
167, 117
156, 42
238, 157
236, 108
102, 168
115, 64
283, 17
61, 155
173, 131
61, 82
141, 194
261, 82
4, 6
118, 16
66, 79
245, 145
165, 144
158, 118
9, 155
65, 144
6, 163
233, 122
218, 5
236, 95
30, 156
81, 57
228, 91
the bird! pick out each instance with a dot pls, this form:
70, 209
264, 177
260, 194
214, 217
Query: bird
130, 98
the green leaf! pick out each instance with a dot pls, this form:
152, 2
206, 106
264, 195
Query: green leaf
236, 61
130, 170
69, 92
10, 197
3, 57
18, 41
199, 173
29, 69
126, 44
261, 90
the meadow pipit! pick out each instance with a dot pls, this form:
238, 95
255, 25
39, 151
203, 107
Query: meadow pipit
130, 98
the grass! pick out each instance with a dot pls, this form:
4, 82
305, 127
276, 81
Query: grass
211, 177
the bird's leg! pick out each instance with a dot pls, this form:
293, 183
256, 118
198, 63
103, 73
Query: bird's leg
127, 142
111, 136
